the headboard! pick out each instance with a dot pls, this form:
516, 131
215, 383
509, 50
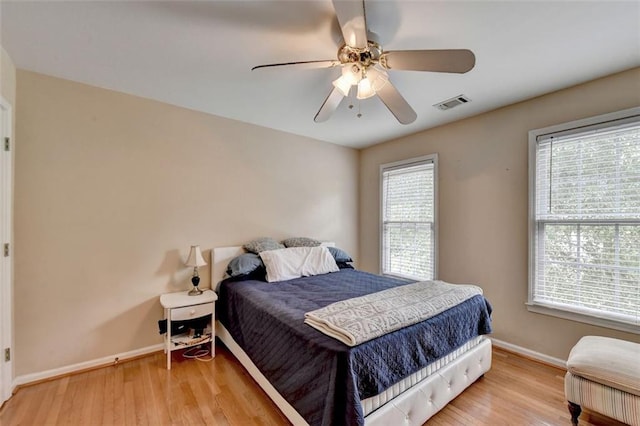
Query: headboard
221, 256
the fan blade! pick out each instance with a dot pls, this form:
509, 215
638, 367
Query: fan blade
330, 104
453, 60
302, 64
352, 22
396, 104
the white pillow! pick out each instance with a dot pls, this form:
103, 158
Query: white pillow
294, 262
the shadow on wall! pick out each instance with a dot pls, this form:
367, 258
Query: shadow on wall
178, 275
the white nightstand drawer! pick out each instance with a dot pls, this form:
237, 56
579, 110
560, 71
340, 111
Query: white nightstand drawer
190, 312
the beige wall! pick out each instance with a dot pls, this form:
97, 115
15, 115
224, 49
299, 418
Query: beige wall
111, 190
483, 203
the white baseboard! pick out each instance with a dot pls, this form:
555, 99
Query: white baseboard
34, 377
557, 362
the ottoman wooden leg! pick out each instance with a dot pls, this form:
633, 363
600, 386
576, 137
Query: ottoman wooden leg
575, 411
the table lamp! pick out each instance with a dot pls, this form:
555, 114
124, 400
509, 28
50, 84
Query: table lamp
195, 259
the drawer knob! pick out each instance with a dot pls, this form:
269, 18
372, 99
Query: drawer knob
193, 311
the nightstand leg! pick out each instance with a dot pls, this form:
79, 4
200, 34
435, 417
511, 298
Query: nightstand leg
168, 343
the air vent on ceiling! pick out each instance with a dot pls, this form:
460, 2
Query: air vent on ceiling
452, 103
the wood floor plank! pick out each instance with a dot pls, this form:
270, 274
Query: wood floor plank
73, 400
45, 396
108, 401
118, 394
60, 391
516, 390
154, 394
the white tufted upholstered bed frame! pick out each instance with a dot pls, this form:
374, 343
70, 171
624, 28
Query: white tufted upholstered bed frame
409, 403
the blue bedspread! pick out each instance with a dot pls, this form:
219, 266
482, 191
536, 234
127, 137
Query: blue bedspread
322, 378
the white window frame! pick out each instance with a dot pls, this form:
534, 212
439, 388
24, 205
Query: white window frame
432, 159
601, 121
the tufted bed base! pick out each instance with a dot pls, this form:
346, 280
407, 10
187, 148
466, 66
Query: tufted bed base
411, 407
417, 404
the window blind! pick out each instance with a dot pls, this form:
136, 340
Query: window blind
592, 175
408, 197
587, 213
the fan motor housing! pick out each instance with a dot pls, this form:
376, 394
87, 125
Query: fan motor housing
366, 56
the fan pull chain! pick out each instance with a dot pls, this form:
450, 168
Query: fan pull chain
359, 114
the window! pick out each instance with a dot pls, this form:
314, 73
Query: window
585, 220
408, 193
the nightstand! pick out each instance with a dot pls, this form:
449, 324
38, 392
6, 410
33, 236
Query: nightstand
180, 307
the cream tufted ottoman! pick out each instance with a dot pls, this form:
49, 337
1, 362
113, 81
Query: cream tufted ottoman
603, 375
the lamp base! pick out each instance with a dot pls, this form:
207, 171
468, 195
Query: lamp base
194, 291
195, 280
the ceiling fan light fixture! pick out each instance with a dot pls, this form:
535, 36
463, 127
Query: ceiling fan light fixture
365, 89
343, 85
352, 73
378, 78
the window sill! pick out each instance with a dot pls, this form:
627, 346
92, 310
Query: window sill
579, 317
405, 277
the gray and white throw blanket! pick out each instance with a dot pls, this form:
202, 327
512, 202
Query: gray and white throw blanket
357, 320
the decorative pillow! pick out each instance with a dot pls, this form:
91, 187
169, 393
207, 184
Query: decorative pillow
344, 265
301, 242
340, 255
260, 274
262, 244
244, 264
294, 262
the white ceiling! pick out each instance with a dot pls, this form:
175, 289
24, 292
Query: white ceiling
199, 54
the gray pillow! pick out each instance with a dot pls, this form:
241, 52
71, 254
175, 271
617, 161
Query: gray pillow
244, 264
262, 244
301, 242
340, 255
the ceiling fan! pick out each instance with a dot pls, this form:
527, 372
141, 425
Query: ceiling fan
364, 65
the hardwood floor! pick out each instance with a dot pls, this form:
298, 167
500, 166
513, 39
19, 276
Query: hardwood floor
516, 391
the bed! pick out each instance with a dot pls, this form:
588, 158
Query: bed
315, 379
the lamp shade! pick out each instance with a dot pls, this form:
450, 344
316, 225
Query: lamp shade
195, 257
